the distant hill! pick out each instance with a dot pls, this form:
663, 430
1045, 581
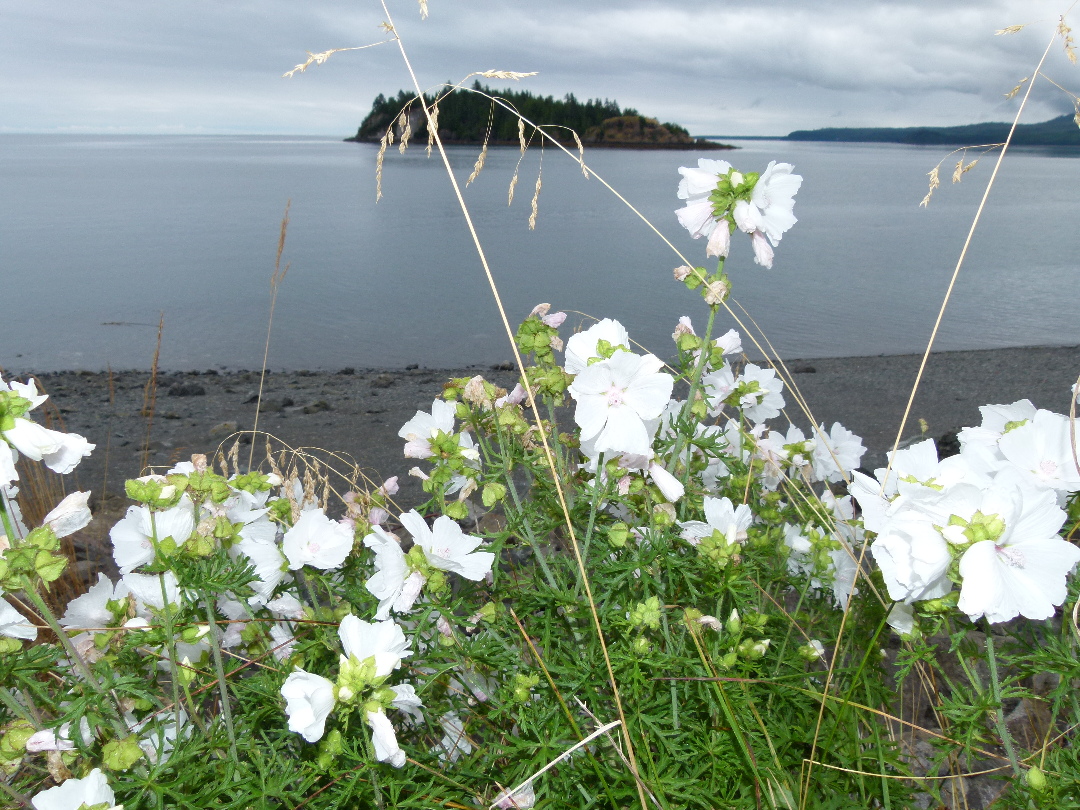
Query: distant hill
464, 116
1062, 131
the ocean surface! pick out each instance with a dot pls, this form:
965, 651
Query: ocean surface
100, 236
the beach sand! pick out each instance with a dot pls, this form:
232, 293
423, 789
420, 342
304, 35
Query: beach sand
357, 413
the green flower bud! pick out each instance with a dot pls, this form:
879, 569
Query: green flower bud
618, 534
492, 494
734, 623
522, 685
329, 748
119, 755
647, 613
487, 613
49, 566
13, 743
456, 510
1036, 780
641, 646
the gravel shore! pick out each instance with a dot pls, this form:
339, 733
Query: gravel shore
358, 412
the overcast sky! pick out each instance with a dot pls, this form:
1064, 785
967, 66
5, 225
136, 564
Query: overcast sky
759, 67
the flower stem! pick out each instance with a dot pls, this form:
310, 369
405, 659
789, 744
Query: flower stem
219, 669
695, 382
999, 715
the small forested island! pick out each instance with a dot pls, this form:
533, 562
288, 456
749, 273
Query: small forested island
468, 116
1061, 131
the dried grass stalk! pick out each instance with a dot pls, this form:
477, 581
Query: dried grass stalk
581, 154
513, 183
406, 133
503, 74
432, 127
1016, 89
423, 9
521, 134
536, 200
379, 163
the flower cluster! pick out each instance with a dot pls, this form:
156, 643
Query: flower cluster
720, 199
986, 520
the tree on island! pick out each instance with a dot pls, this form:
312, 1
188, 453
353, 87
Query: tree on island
469, 115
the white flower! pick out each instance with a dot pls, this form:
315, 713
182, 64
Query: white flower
670, 486
90, 611
407, 700
836, 452
454, 744
133, 536
265, 555
13, 624
384, 739
147, 589
70, 515
614, 399
1043, 448
383, 641
913, 557
90, 791
447, 547
61, 452
309, 701
521, 799
318, 541
419, 430
1022, 571
393, 584
995, 419
721, 515
761, 399
697, 216
57, 739
8, 473
769, 210
582, 347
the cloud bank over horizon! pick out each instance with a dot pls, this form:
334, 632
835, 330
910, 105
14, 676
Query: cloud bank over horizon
196, 66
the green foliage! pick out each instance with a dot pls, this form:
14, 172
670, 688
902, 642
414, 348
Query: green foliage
466, 116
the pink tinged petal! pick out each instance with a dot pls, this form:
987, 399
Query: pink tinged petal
385, 740
418, 448
410, 592
720, 240
763, 252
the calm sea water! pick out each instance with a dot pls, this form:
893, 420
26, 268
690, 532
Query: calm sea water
99, 235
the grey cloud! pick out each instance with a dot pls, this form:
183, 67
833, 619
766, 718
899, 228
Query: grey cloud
717, 67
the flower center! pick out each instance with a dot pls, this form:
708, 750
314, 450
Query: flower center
1048, 468
1011, 556
615, 396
